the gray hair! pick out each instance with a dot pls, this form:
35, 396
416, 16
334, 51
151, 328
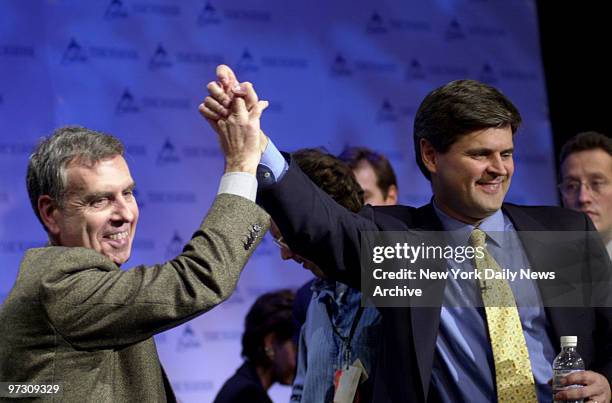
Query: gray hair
46, 168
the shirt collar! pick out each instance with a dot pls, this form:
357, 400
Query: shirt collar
494, 226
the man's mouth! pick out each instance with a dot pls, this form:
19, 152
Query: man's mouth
119, 235
491, 187
118, 239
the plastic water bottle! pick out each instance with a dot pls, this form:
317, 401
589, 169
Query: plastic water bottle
565, 363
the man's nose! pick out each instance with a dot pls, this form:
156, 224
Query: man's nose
497, 167
584, 194
123, 211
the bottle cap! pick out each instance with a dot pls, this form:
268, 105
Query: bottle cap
569, 341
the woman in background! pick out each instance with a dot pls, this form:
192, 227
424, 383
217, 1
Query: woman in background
268, 349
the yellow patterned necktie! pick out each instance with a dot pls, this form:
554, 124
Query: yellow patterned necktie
513, 375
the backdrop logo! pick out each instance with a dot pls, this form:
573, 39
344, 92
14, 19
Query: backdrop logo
136, 150
487, 74
415, 71
175, 247
188, 340
222, 335
246, 63
448, 71
127, 103
163, 10
115, 9
77, 53
376, 25
192, 386
160, 59
20, 246
167, 154
172, 197
386, 113
74, 53
454, 31
248, 15
16, 51
340, 67
202, 152
208, 16
284, 62
519, 75
143, 244
16, 149
486, 31
375, 66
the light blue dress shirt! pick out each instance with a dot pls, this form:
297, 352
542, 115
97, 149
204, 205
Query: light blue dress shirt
463, 369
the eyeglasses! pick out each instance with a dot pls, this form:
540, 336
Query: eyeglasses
571, 187
280, 242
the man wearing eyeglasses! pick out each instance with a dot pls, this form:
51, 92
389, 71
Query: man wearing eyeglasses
586, 180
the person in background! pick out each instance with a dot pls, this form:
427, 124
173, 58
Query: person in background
336, 330
268, 349
374, 174
586, 180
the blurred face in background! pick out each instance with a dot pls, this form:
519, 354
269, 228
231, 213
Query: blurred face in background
372, 193
587, 186
286, 253
284, 358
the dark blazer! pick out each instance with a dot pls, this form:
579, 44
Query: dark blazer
73, 317
317, 228
243, 386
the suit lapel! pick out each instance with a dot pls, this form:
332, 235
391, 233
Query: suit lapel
562, 320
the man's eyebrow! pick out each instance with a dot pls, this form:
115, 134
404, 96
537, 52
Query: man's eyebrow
485, 150
131, 187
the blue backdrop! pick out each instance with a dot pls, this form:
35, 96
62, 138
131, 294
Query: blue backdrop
341, 72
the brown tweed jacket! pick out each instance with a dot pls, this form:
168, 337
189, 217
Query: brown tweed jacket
73, 317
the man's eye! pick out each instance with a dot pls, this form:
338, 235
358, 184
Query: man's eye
101, 202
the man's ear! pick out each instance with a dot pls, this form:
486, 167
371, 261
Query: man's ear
49, 214
428, 155
391, 199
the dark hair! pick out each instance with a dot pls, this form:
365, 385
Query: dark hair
586, 141
332, 175
385, 176
456, 109
46, 168
271, 313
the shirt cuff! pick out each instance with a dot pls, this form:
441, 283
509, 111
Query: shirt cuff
240, 184
272, 166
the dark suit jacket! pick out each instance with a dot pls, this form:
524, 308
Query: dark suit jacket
317, 228
243, 386
73, 317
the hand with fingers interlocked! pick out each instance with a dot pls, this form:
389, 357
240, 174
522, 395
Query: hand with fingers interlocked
233, 110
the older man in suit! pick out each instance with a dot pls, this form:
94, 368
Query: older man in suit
74, 318
502, 348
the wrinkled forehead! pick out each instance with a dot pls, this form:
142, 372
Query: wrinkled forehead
106, 175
